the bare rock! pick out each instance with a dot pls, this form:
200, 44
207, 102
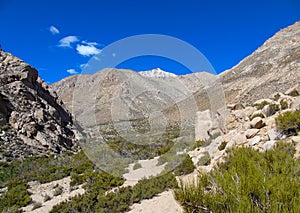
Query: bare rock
269, 145
250, 133
25, 104
238, 106
267, 111
294, 89
273, 134
296, 139
257, 123
295, 105
255, 140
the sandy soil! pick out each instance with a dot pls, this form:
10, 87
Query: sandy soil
162, 203
148, 169
39, 191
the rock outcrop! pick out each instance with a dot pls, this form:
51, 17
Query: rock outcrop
244, 130
32, 119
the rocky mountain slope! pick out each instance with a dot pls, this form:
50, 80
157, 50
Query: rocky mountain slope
32, 119
274, 67
253, 126
149, 98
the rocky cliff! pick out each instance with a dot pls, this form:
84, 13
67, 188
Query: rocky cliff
32, 119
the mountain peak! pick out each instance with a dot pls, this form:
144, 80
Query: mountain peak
157, 73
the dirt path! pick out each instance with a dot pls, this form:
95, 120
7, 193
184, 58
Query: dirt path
162, 203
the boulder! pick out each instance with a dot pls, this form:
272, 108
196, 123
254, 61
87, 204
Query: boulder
255, 140
239, 139
273, 134
295, 105
250, 133
235, 106
296, 139
267, 111
269, 145
257, 123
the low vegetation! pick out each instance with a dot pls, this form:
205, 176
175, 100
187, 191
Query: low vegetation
95, 199
247, 181
294, 93
16, 197
261, 105
257, 115
44, 169
222, 146
204, 160
17, 174
289, 122
284, 104
137, 166
185, 167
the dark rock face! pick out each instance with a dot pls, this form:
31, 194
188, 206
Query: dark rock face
32, 120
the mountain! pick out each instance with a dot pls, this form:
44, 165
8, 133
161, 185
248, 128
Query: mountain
273, 67
157, 73
32, 119
117, 104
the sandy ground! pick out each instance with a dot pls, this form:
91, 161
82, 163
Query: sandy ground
39, 191
148, 169
162, 203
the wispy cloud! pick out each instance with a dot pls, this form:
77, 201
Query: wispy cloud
88, 48
67, 41
82, 66
90, 43
53, 30
72, 71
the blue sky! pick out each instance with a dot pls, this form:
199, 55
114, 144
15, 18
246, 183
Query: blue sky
57, 37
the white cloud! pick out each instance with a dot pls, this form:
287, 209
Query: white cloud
88, 50
54, 30
72, 71
66, 41
90, 43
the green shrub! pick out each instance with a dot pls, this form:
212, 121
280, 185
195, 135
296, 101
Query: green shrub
185, 167
15, 196
247, 181
294, 93
44, 169
204, 160
284, 105
222, 146
95, 200
58, 191
289, 122
261, 105
137, 166
257, 115
274, 108
276, 97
